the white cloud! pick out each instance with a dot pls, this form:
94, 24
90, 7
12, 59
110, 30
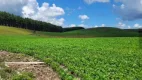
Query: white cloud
83, 17
137, 26
82, 25
72, 25
129, 27
113, 5
125, 26
122, 6
93, 1
121, 25
12, 6
44, 13
31, 9
103, 25
129, 9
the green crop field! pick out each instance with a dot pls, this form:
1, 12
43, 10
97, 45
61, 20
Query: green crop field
108, 58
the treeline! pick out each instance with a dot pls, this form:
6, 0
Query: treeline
72, 28
8, 19
11, 20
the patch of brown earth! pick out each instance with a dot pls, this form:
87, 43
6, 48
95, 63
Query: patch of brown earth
22, 63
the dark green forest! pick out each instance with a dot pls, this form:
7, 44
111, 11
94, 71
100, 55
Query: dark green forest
12, 20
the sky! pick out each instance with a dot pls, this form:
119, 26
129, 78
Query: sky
86, 13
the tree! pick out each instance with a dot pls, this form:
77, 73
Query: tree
8, 19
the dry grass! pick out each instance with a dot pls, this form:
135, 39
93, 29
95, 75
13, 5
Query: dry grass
12, 30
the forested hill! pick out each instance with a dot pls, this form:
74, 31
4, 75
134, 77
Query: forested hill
7, 19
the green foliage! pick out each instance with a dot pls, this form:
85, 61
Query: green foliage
23, 76
5, 72
7, 19
48, 61
72, 28
110, 58
8, 70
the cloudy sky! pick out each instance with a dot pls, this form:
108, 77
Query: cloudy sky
86, 13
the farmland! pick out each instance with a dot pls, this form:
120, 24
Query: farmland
71, 40
86, 58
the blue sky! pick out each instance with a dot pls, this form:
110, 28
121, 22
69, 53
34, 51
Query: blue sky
86, 13
99, 13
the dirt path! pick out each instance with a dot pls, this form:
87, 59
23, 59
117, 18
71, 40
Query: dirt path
23, 63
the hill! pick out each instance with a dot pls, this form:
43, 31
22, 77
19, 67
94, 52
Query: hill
47, 29
92, 32
96, 32
4, 30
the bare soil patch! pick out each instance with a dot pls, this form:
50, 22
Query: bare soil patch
23, 63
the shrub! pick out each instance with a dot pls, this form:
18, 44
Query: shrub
23, 76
